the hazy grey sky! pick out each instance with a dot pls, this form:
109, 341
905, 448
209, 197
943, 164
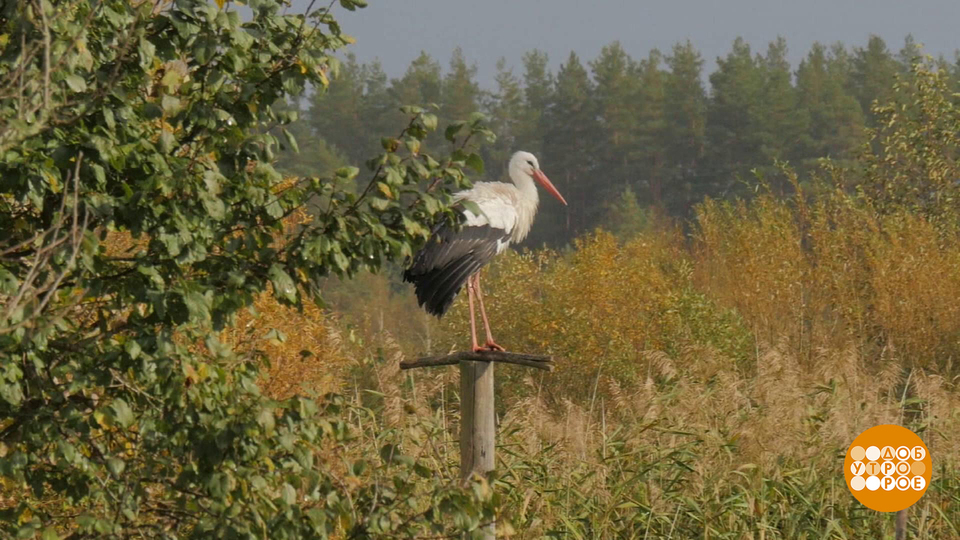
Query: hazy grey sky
395, 31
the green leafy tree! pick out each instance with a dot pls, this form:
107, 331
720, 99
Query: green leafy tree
913, 164
140, 211
953, 69
944, 65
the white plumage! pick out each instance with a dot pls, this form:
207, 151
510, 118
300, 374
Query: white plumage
451, 258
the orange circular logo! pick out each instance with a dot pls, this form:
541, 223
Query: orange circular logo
887, 468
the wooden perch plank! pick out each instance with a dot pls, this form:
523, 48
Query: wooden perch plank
521, 359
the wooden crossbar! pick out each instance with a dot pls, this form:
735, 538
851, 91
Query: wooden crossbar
520, 359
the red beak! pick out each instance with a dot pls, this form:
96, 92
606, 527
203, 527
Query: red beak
548, 185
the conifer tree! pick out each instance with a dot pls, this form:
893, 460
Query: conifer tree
836, 120
461, 93
782, 123
615, 95
569, 150
538, 84
685, 107
652, 142
874, 69
734, 120
506, 110
335, 114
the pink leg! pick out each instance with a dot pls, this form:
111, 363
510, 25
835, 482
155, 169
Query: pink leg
491, 344
473, 317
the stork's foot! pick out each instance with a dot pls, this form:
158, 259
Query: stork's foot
491, 346
488, 347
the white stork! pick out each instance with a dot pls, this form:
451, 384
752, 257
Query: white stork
451, 258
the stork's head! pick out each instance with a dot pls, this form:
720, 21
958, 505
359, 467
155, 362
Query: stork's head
524, 165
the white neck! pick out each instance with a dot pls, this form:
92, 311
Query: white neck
527, 202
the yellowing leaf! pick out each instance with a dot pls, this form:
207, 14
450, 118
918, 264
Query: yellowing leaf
190, 373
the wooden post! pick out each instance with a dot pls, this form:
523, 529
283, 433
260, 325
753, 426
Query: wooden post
900, 527
477, 424
478, 430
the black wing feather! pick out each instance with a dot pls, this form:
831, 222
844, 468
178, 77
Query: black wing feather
443, 265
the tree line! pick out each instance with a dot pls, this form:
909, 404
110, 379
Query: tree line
624, 135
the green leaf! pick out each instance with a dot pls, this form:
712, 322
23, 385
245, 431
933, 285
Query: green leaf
475, 162
452, 130
132, 347
167, 142
347, 173
413, 145
75, 82
109, 119
394, 177
198, 305
170, 104
471, 207
266, 420
116, 466
289, 494
122, 413
390, 144
214, 207
283, 285
11, 392
291, 141
147, 52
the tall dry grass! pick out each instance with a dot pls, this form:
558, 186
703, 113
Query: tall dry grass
699, 449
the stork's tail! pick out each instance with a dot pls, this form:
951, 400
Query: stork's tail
437, 287
440, 269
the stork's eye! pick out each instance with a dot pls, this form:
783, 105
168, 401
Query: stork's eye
530, 163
